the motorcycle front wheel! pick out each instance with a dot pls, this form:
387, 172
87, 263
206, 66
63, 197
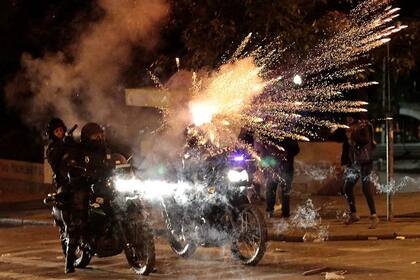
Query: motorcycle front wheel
83, 257
179, 239
140, 251
250, 233
182, 248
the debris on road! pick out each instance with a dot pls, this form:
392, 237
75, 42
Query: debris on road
315, 271
279, 250
335, 275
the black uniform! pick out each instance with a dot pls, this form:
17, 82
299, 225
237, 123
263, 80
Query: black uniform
76, 200
55, 152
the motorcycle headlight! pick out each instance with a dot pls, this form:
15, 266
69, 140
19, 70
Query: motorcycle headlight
237, 176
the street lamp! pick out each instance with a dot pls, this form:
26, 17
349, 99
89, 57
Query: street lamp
297, 80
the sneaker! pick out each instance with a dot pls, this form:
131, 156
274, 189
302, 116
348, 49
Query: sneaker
352, 219
374, 221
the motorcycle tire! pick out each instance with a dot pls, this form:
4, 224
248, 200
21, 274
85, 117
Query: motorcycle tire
140, 252
262, 243
182, 250
83, 257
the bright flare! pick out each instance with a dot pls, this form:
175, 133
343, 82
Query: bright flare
231, 88
297, 80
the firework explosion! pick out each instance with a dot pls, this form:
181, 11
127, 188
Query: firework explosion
247, 92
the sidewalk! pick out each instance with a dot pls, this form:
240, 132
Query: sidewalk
406, 223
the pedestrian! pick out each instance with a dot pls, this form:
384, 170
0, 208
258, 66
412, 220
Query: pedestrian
358, 161
277, 160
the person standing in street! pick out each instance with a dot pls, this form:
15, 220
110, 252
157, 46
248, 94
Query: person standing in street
358, 161
277, 159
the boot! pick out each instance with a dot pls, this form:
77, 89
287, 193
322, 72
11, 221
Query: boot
374, 221
70, 258
352, 219
69, 267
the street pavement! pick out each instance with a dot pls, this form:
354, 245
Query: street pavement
33, 252
389, 252
406, 223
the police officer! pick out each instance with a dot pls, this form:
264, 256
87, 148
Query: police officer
83, 166
97, 159
55, 151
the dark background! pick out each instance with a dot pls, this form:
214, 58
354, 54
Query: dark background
200, 33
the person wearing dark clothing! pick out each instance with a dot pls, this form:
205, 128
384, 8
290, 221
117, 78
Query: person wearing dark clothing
83, 166
358, 162
57, 147
278, 163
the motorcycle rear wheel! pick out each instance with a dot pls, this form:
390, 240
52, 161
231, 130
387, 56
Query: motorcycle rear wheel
140, 252
251, 230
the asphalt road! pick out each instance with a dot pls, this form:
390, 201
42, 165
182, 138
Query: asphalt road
32, 252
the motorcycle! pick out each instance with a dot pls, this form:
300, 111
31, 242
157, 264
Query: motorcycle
117, 222
218, 211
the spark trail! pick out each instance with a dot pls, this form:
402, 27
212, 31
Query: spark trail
247, 91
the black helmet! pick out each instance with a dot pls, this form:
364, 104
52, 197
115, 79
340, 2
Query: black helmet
90, 129
53, 125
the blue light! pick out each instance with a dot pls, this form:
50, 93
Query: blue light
239, 158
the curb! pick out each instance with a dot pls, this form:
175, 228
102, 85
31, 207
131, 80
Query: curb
358, 237
22, 222
297, 239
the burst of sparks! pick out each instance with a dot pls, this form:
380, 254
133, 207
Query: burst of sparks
247, 92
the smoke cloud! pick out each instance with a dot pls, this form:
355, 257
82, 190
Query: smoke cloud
82, 82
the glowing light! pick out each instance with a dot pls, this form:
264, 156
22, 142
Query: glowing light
237, 176
239, 158
177, 63
227, 91
297, 80
202, 113
152, 189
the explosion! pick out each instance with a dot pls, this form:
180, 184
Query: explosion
248, 92
228, 91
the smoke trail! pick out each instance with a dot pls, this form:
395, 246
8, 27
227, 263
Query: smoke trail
81, 82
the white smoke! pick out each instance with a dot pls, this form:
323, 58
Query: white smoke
82, 82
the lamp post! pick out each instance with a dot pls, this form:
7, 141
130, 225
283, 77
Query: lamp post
389, 128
